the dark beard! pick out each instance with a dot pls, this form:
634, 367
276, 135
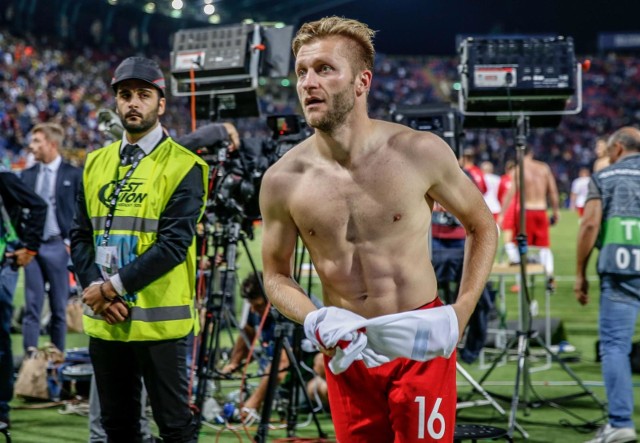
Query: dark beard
343, 103
146, 123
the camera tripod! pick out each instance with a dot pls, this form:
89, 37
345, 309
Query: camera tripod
284, 329
448, 258
523, 337
218, 314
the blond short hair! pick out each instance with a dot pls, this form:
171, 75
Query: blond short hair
360, 35
52, 132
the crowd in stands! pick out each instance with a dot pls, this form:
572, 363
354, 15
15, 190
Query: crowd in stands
42, 82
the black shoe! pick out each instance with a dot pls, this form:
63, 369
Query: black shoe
5, 423
551, 285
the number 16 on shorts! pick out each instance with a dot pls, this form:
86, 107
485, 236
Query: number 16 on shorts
432, 422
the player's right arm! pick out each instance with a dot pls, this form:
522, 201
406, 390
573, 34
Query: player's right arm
279, 235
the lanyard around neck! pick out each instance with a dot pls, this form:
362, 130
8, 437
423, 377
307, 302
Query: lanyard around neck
114, 198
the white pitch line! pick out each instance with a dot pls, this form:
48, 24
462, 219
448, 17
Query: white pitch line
544, 383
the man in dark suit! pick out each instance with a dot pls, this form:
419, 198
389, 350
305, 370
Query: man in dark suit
57, 182
22, 217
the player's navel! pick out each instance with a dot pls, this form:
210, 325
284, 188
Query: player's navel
397, 217
363, 297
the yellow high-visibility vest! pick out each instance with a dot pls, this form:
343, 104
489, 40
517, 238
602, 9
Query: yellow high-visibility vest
165, 308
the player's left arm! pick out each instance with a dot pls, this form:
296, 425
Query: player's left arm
460, 196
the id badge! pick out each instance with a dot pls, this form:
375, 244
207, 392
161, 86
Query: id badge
107, 260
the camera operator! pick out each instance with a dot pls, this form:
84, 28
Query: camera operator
210, 135
252, 292
23, 215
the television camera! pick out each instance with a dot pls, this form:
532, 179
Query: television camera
237, 171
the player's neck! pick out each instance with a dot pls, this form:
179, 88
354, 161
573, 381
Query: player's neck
347, 141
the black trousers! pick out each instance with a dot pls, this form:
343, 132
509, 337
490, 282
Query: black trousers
119, 367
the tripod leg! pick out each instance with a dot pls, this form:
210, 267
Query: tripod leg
513, 424
571, 374
293, 364
526, 380
495, 363
479, 389
281, 342
267, 404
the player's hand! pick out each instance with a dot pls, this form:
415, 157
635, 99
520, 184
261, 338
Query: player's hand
326, 326
581, 290
328, 352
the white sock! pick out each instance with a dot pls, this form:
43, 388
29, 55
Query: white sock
546, 259
512, 252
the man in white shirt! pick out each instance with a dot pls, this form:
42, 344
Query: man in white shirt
493, 183
579, 190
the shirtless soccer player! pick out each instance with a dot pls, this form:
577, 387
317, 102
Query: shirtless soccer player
359, 192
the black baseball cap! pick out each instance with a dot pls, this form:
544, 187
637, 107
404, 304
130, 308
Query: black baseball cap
139, 68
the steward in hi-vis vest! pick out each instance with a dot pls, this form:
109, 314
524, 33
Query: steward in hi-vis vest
133, 250
611, 221
165, 308
619, 237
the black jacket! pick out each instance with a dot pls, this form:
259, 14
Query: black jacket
26, 209
68, 183
176, 229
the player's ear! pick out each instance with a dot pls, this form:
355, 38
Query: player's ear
363, 82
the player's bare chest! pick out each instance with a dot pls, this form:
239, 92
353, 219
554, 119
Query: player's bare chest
335, 200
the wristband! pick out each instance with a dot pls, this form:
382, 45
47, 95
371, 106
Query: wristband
104, 295
30, 252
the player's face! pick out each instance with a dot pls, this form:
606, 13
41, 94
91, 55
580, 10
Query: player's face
139, 106
325, 83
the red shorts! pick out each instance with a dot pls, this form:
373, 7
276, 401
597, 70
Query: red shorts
537, 228
400, 401
537, 224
